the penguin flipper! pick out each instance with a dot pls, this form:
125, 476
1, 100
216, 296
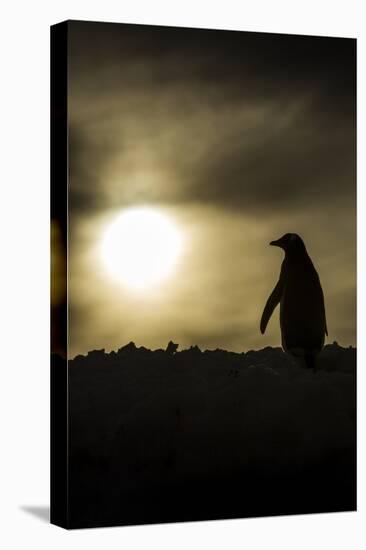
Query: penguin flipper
271, 304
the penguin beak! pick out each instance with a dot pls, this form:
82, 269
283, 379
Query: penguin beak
276, 243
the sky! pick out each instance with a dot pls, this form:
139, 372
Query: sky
237, 137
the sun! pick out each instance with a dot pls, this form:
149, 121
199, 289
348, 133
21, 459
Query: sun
140, 247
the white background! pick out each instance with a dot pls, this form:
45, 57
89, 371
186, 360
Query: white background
24, 272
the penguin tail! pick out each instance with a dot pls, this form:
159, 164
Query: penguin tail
310, 362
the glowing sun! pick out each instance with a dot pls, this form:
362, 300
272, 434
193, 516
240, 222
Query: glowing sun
140, 247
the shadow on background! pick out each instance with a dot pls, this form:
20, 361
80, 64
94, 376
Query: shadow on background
40, 512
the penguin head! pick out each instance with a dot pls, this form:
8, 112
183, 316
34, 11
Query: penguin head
290, 242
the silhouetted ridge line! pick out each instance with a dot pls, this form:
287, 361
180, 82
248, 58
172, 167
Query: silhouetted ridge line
333, 357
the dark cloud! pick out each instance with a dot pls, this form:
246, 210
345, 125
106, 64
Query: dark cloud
294, 159
254, 63
239, 119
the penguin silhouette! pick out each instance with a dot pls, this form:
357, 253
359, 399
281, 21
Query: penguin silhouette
299, 292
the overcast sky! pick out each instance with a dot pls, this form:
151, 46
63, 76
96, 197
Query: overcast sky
239, 137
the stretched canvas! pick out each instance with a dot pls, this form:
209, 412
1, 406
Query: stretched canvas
203, 222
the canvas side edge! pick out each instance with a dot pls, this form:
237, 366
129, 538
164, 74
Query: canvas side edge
59, 498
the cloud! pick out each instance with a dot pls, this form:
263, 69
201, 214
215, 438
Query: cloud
243, 137
244, 120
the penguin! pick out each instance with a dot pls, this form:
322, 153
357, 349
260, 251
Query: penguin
300, 295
